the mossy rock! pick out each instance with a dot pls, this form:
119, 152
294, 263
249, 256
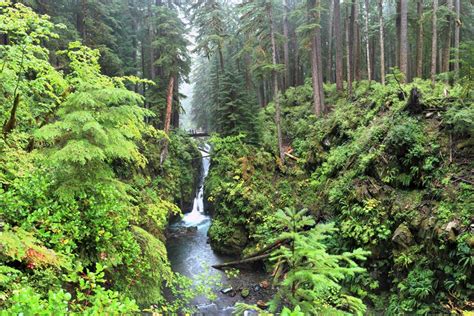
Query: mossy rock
227, 239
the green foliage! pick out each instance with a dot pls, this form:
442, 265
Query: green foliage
392, 182
19, 245
98, 123
313, 277
78, 207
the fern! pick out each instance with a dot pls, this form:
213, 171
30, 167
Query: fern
313, 276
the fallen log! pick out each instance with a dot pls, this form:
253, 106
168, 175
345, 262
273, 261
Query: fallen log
267, 248
239, 262
291, 156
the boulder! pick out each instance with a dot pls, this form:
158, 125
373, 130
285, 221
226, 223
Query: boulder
403, 236
265, 284
261, 304
452, 228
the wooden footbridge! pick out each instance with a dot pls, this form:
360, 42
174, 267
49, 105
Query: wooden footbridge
195, 133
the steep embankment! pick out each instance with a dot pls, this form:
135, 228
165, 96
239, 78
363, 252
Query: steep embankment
392, 167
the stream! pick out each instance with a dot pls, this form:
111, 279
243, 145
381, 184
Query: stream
191, 255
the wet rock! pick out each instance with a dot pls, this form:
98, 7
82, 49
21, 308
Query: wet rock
451, 228
257, 288
227, 290
245, 293
261, 304
209, 309
265, 284
402, 236
182, 231
232, 243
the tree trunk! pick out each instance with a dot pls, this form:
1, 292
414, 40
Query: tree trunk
356, 39
329, 73
339, 48
404, 38
169, 104
10, 123
276, 97
382, 48
447, 44
319, 55
348, 53
434, 42
373, 44
419, 40
367, 37
397, 27
286, 45
315, 60
457, 31
80, 19
151, 36
221, 58
169, 110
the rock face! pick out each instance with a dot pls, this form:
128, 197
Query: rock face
227, 240
402, 236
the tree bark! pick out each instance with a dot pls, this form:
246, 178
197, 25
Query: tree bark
404, 38
286, 45
457, 31
339, 47
434, 42
10, 124
319, 55
276, 97
316, 69
151, 36
348, 53
169, 104
419, 40
367, 37
447, 44
329, 73
356, 39
382, 48
81, 15
398, 27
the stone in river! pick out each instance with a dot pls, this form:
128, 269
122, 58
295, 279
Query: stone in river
227, 290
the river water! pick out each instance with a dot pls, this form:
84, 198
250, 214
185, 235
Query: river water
191, 255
